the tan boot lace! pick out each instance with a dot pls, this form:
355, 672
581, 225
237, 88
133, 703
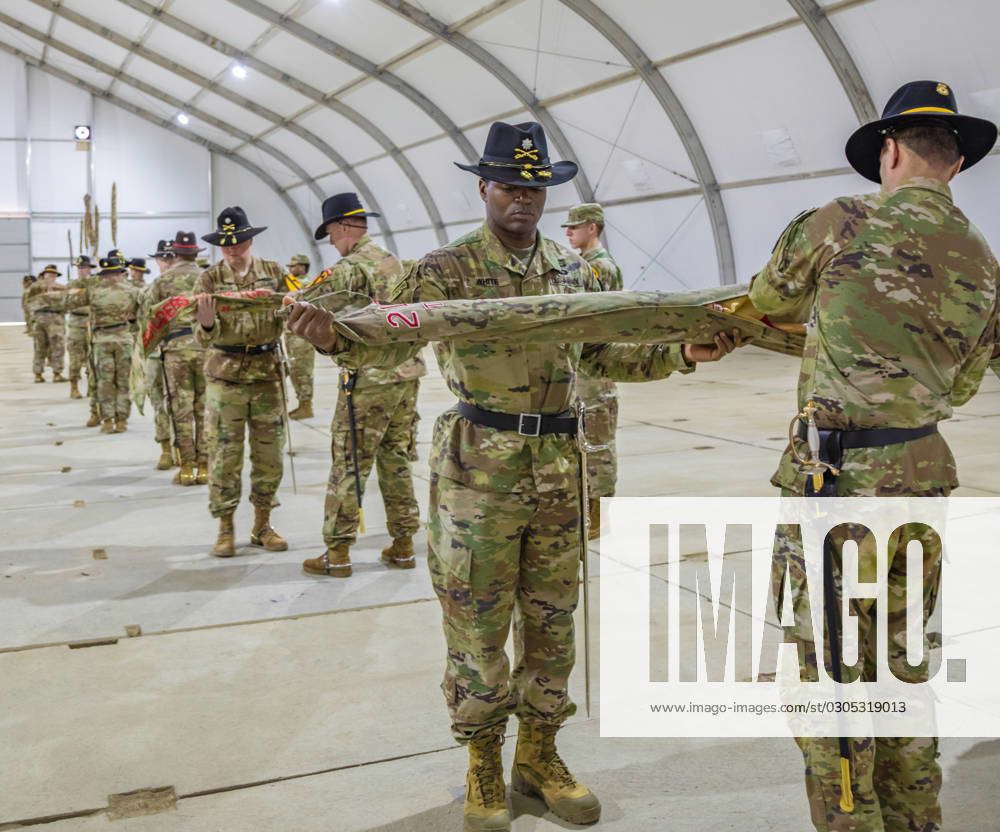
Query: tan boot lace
489, 773
551, 758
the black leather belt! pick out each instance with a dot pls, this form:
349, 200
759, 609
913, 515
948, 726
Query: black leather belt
525, 424
180, 333
80, 314
246, 349
50, 311
111, 326
835, 442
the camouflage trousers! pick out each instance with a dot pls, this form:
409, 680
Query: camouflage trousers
301, 360
49, 334
602, 466
386, 416
155, 394
77, 345
184, 375
113, 361
896, 781
234, 411
498, 559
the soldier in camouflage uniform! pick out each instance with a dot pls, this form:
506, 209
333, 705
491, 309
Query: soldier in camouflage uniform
26, 283
45, 301
113, 303
300, 353
383, 401
244, 391
598, 396
900, 293
505, 536
183, 358
137, 271
78, 334
164, 258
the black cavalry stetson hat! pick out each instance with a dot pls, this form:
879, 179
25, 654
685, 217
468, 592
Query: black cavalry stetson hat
184, 242
162, 250
83, 260
233, 228
114, 262
138, 263
518, 154
916, 102
339, 206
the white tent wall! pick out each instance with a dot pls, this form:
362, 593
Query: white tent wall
234, 185
15, 248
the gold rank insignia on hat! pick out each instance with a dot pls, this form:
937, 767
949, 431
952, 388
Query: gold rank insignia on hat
942, 89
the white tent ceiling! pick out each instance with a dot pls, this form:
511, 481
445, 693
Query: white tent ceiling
702, 108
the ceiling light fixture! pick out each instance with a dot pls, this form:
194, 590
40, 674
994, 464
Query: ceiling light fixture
239, 71
182, 118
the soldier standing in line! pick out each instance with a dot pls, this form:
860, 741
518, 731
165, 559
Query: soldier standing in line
900, 293
598, 396
45, 301
505, 536
244, 391
164, 258
183, 360
113, 303
137, 271
78, 332
376, 408
26, 283
301, 355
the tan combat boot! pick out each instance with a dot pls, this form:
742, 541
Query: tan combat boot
303, 411
58, 377
335, 562
225, 545
108, 426
94, 420
485, 794
539, 772
400, 553
39, 378
74, 389
202, 476
166, 460
594, 515
121, 425
263, 535
186, 476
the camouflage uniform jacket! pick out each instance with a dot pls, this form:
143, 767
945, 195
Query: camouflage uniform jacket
179, 279
506, 375
81, 283
608, 276
899, 294
240, 328
43, 295
113, 304
370, 270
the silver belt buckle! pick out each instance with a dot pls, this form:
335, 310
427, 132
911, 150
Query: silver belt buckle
537, 424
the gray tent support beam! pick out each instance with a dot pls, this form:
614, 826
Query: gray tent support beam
363, 65
239, 100
817, 21
503, 74
678, 116
160, 95
309, 91
167, 124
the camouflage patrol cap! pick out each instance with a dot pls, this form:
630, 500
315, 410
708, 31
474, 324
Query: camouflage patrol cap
587, 212
298, 260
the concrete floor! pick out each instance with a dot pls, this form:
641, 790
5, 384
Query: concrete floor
271, 700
